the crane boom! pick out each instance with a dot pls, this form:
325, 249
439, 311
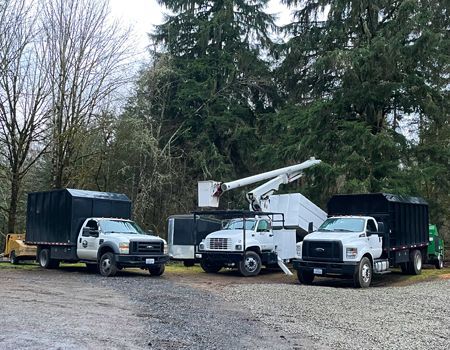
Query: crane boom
209, 192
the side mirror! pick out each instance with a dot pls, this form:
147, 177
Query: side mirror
310, 227
368, 233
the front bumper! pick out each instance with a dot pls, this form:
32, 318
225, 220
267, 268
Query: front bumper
347, 268
126, 260
222, 257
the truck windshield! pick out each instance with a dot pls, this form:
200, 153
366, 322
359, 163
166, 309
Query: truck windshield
342, 225
239, 225
116, 226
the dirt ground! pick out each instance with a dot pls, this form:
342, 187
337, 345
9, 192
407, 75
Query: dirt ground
70, 308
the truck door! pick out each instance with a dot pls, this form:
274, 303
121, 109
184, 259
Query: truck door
264, 235
375, 241
87, 245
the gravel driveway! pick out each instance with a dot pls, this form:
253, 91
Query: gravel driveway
71, 309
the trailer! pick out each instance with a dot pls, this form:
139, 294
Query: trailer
184, 234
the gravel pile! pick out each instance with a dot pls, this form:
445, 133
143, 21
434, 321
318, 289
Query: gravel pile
412, 317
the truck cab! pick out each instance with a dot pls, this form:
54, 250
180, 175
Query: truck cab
355, 236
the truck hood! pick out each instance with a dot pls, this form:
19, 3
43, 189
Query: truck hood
227, 234
134, 237
344, 237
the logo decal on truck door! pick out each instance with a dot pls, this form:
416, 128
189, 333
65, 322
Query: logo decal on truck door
84, 244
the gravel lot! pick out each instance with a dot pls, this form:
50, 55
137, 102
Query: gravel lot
71, 309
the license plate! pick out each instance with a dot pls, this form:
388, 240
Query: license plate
149, 261
317, 271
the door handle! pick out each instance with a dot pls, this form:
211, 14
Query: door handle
80, 239
271, 235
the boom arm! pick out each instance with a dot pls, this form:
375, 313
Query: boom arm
209, 192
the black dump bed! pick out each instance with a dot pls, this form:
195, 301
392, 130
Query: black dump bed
55, 217
405, 218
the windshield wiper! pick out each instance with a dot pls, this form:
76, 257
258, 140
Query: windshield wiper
342, 230
324, 230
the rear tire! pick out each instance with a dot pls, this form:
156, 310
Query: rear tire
415, 264
439, 262
157, 270
305, 277
45, 261
363, 274
107, 265
13, 259
250, 265
209, 267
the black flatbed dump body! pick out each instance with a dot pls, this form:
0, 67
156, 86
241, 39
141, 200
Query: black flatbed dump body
405, 218
55, 217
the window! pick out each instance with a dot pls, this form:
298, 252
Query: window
371, 227
263, 226
92, 224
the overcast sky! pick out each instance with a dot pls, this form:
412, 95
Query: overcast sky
141, 15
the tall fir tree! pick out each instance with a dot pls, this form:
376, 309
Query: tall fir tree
222, 87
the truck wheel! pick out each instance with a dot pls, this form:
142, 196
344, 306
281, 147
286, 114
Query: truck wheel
250, 265
45, 261
210, 267
440, 262
415, 265
157, 270
363, 274
13, 258
107, 265
305, 277
93, 268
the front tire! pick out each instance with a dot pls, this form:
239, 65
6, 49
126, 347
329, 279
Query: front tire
210, 267
415, 264
107, 265
363, 274
13, 258
250, 265
157, 270
305, 277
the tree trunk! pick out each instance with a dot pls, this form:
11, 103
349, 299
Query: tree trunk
12, 211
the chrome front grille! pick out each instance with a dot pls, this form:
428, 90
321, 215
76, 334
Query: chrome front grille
219, 243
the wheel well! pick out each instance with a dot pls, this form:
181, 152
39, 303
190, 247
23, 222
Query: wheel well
255, 249
369, 257
104, 250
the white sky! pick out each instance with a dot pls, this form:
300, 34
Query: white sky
141, 15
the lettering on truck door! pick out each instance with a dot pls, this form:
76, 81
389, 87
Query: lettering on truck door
87, 245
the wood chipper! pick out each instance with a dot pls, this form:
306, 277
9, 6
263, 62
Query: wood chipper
16, 249
435, 248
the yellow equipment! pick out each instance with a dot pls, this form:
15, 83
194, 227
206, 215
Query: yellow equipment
16, 249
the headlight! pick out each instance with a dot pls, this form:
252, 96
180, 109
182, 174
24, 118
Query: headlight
201, 246
238, 246
166, 248
351, 253
124, 248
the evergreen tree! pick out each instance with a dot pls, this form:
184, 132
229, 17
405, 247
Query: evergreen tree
222, 88
353, 71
